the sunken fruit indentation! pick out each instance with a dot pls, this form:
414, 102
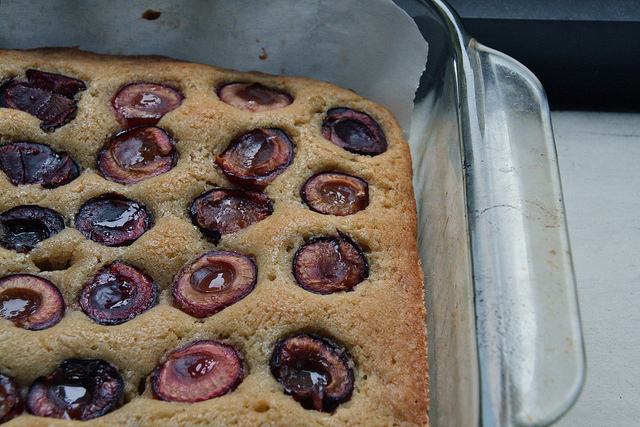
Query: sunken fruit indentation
199, 371
30, 302
221, 211
253, 97
354, 131
113, 220
11, 399
118, 293
27, 163
328, 264
23, 227
136, 154
139, 104
78, 389
257, 157
214, 281
335, 193
314, 371
47, 96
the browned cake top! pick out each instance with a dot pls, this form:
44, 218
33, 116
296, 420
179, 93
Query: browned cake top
186, 244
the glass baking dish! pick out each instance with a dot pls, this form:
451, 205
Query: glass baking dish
506, 344
504, 328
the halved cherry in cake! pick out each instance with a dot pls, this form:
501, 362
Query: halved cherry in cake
145, 103
257, 157
55, 83
354, 131
30, 302
214, 281
335, 193
328, 264
78, 389
11, 399
23, 227
199, 371
48, 96
222, 211
31, 163
118, 293
113, 220
253, 97
314, 371
136, 154
50, 108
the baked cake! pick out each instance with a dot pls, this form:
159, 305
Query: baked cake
187, 245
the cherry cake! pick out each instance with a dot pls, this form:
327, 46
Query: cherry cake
182, 244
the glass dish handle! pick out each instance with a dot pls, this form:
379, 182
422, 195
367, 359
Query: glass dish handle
530, 345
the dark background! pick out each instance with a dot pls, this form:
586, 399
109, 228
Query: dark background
586, 53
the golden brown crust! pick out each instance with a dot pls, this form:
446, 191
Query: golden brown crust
381, 323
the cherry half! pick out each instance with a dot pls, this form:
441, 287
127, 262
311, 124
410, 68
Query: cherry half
11, 399
314, 371
253, 97
214, 281
199, 371
222, 211
257, 157
335, 193
30, 163
78, 389
23, 227
144, 104
328, 264
55, 83
48, 96
30, 302
118, 293
136, 154
113, 220
354, 131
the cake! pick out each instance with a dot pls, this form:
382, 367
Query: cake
183, 244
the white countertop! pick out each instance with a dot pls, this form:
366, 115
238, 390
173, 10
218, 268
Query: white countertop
599, 158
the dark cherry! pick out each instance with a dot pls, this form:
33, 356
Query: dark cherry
328, 264
136, 154
48, 96
23, 227
78, 389
31, 163
118, 293
199, 371
30, 302
335, 193
139, 104
50, 108
221, 211
314, 371
11, 399
257, 157
354, 131
214, 281
55, 83
113, 220
253, 97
